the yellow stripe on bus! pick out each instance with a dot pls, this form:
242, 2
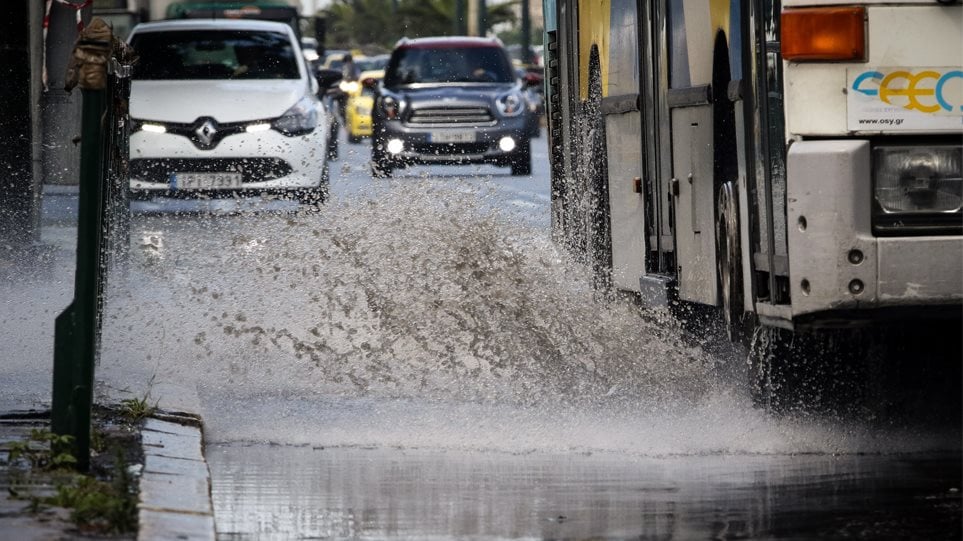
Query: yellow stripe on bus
593, 23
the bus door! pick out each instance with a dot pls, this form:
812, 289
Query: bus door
692, 37
660, 267
766, 154
610, 29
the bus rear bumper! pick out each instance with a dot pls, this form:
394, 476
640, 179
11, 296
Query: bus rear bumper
836, 264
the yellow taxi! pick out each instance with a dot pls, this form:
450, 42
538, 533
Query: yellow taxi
360, 100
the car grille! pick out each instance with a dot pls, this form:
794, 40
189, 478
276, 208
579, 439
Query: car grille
252, 169
451, 116
448, 149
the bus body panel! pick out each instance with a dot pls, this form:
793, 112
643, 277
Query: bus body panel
623, 129
624, 133
817, 93
829, 191
694, 224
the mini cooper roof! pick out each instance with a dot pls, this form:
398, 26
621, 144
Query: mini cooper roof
446, 42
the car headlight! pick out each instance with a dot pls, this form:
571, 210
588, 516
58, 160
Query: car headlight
914, 180
349, 87
300, 119
393, 107
510, 104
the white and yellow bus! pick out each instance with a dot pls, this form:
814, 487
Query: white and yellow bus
795, 163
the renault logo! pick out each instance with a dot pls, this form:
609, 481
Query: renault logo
206, 132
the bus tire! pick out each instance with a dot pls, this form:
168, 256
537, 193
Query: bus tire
522, 161
826, 371
729, 261
771, 383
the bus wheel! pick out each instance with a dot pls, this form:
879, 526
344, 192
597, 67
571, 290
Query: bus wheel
771, 383
822, 371
729, 260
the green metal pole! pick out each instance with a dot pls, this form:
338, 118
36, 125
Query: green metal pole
75, 348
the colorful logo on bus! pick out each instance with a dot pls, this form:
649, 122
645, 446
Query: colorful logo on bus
928, 90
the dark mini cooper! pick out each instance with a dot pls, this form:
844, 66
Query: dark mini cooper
452, 100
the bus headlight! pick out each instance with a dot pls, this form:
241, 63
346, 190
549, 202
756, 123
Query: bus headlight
913, 180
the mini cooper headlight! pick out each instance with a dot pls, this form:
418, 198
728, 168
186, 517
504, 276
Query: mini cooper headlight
392, 107
912, 180
300, 119
510, 104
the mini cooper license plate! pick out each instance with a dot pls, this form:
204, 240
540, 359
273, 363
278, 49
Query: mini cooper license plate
205, 181
452, 137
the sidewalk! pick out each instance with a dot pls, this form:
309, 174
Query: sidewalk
164, 452
164, 456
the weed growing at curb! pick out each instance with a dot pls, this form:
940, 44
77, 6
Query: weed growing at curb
137, 409
100, 503
38, 451
100, 506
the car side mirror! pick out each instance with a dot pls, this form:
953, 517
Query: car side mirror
532, 80
327, 78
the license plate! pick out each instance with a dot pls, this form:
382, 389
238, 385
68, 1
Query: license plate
452, 137
205, 181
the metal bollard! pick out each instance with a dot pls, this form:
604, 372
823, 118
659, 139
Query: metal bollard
102, 172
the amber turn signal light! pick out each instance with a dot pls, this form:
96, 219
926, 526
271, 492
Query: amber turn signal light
833, 34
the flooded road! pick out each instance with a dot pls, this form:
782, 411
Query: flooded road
418, 360
364, 493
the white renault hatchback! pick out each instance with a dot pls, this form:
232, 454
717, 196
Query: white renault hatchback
225, 108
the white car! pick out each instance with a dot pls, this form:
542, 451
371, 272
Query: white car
225, 108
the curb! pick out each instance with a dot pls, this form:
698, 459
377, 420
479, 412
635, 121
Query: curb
175, 485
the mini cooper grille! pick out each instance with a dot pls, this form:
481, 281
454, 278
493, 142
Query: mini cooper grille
252, 169
449, 149
448, 116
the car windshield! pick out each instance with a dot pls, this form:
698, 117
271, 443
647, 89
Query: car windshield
214, 54
449, 65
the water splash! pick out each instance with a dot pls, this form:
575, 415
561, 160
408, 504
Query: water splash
418, 317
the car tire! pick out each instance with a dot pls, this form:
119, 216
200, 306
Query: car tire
318, 195
313, 198
381, 170
380, 166
333, 142
522, 161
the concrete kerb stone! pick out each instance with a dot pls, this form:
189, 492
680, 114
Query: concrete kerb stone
175, 485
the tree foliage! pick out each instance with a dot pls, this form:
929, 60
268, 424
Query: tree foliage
357, 23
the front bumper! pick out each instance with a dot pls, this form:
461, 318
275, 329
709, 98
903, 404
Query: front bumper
268, 161
419, 148
836, 264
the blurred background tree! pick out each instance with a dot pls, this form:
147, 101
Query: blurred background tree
364, 23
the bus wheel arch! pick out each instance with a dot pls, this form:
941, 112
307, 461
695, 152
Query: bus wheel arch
725, 187
599, 242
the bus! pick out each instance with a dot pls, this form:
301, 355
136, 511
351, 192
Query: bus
793, 165
269, 10
122, 15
